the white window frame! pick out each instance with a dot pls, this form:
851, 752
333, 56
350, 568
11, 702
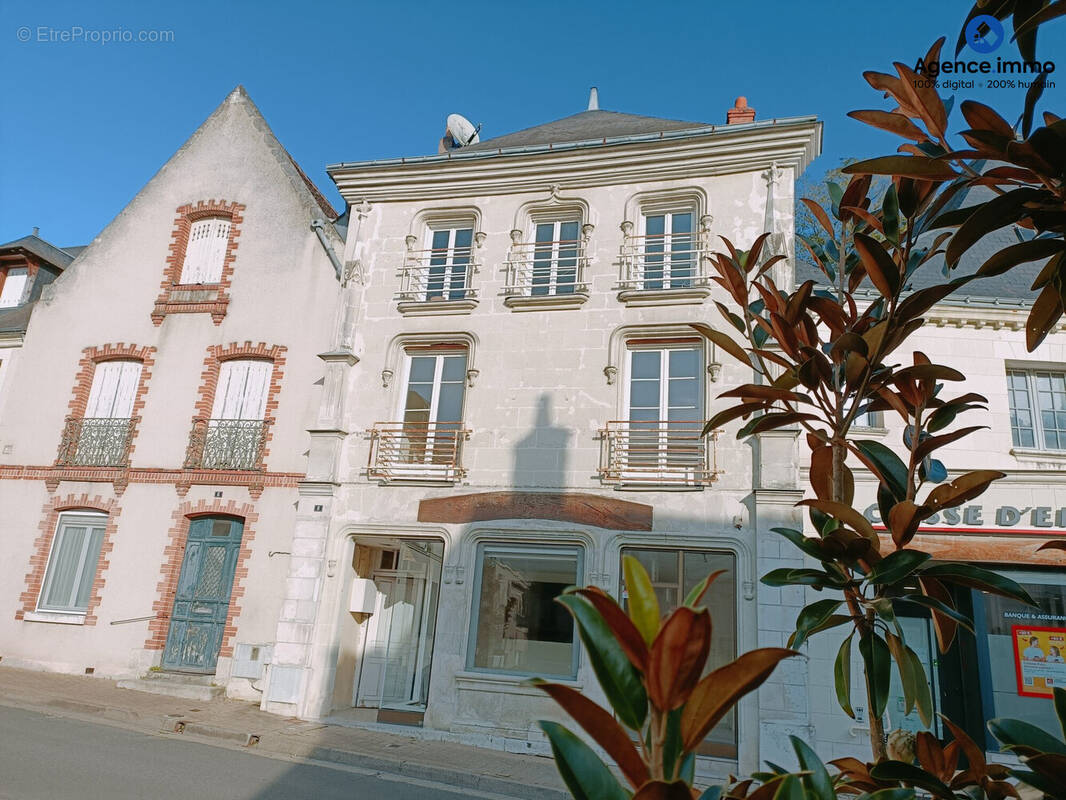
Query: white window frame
8, 297
521, 548
1031, 373
91, 520
664, 394
669, 211
205, 251
428, 468
556, 220
226, 375
451, 269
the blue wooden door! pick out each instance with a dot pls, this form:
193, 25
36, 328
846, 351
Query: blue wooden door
202, 598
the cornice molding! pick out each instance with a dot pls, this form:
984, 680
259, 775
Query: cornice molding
719, 151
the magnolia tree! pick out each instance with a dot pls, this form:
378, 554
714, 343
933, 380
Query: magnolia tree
822, 354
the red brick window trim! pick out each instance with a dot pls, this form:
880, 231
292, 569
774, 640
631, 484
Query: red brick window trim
216, 356
178, 298
42, 548
83, 382
174, 555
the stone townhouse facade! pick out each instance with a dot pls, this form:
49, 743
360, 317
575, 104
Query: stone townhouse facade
477, 386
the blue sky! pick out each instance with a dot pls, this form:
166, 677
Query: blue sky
88, 123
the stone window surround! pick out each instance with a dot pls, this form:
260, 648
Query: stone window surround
396, 352
169, 301
418, 240
42, 549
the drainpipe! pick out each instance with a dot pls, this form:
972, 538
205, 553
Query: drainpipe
319, 227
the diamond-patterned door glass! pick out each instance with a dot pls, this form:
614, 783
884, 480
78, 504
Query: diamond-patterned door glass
210, 583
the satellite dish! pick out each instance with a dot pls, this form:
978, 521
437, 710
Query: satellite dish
462, 130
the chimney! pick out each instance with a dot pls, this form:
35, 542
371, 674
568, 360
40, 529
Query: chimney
740, 113
36, 231
594, 99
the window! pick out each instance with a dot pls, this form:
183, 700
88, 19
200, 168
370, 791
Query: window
518, 628
669, 250
236, 430
1037, 408
660, 441
205, 251
450, 255
72, 563
102, 436
12, 286
673, 575
433, 408
555, 258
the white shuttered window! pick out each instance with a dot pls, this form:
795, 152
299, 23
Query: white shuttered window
242, 389
205, 251
114, 390
14, 286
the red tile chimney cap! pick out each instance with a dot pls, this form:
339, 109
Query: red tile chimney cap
740, 112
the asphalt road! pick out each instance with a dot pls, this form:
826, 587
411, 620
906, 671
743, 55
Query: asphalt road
54, 758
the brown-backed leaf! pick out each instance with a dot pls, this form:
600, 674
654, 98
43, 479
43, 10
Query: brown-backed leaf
1001, 210
661, 790
846, 514
719, 691
981, 117
890, 121
677, 657
943, 625
820, 215
1055, 544
922, 94
625, 632
724, 341
879, 265
927, 446
602, 727
965, 487
974, 755
1021, 253
1046, 311
903, 521
930, 754
931, 169
822, 472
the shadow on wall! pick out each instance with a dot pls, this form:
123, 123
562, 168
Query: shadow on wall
540, 457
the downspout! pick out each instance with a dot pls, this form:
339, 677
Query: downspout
319, 227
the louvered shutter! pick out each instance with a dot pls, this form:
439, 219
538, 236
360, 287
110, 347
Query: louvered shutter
114, 390
205, 251
14, 287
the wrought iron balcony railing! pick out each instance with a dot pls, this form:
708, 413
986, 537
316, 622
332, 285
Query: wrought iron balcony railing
658, 452
438, 275
96, 442
227, 444
417, 451
664, 261
547, 269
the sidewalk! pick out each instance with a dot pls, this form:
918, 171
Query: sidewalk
235, 723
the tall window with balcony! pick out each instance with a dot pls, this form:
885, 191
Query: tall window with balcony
440, 275
102, 436
546, 266
660, 442
427, 444
663, 259
234, 436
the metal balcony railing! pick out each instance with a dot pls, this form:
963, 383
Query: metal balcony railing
658, 452
663, 261
436, 275
96, 441
417, 451
547, 269
227, 444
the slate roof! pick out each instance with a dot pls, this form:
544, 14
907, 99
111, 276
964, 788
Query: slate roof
48, 253
585, 126
1010, 288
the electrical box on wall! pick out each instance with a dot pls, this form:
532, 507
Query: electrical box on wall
249, 659
364, 596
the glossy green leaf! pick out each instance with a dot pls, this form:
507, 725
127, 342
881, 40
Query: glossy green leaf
817, 779
796, 576
888, 794
643, 604
618, 677
584, 774
887, 464
923, 697
712, 793
1024, 738
878, 659
810, 618
890, 214
978, 578
896, 566
1021, 253
916, 776
1001, 210
936, 605
842, 675
808, 544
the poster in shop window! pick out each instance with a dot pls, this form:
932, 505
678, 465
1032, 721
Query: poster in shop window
1039, 659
